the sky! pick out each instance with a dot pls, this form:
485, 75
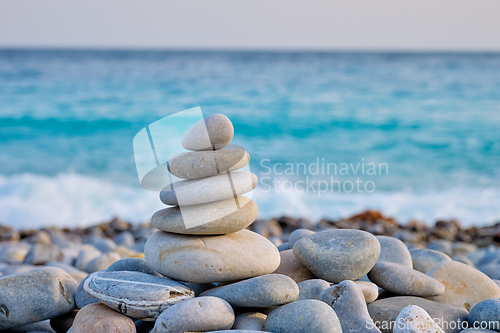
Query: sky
401, 25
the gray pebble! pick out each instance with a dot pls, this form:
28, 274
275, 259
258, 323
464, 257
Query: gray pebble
201, 164
81, 297
424, 260
303, 317
211, 133
298, 234
40, 254
125, 238
348, 302
102, 262
262, 291
105, 245
132, 265
284, 247
250, 321
135, 294
486, 314
195, 315
211, 189
85, 256
441, 245
403, 280
35, 295
311, 289
337, 255
394, 250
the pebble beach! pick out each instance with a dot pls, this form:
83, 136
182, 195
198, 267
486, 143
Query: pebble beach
207, 264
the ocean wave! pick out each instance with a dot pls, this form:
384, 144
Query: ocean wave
29, 201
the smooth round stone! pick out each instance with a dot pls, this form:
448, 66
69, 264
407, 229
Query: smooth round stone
303, 316
211, 133
14, 253
83, 299
283, 247
403, 280
262, 291
199, 314
125, 238
385, 311
486, 314
424, 260
464, 285
201, 164
105, 245
240, 255
132, 265
348, 302
102, 262
214, 218
41, 237
414, 319
293, 268
441, 245
40, 254
136, 294
311, 289
85, 256
215, 188
250, 321
98, 318
337, 255
370, 290
298, 234
463, 259
35, 295
394, 250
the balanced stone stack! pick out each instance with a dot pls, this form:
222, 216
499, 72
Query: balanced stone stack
202, 238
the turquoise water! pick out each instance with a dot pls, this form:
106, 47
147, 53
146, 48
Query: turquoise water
67, 120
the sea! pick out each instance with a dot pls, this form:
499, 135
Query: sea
330, 134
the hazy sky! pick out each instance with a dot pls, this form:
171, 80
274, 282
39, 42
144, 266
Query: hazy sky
250, 24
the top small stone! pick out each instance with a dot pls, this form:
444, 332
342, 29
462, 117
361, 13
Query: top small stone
211, 133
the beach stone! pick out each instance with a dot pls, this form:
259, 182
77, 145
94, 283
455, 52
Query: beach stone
15, 269
441, 245
240, 255
136, 294
83, 299
14, 253
424, 260
403, 280
262, 291
85, 256
35, 295
211, 133
132, 265
337, 255
311, 289
303, 316
462, 248
8, 234
125, 238
198, 288
75, 273
369, 289
195, 315
464, 285
41, 237
40, 254
104, 245
98, 318
250, 321
64, 322
293, 268
394, 250
214, 218
348, 302
414, 319
298, 234
102, 262
201, 164
486, 315
283, 247
463, 259
385, 311
215, 188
